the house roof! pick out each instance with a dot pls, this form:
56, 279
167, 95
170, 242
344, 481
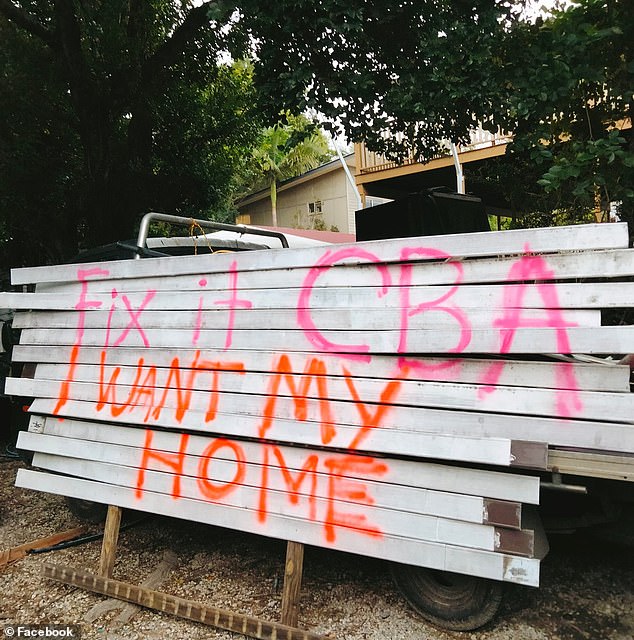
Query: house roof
331, 237
323, 169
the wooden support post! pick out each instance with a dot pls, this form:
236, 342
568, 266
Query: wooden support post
292, 583
110, 538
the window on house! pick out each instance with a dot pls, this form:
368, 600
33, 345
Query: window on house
314, 208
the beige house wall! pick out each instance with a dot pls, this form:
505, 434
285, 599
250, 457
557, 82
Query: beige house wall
332, 189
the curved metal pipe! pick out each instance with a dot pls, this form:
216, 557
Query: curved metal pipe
144, 228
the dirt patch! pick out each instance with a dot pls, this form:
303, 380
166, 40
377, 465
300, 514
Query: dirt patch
587, 590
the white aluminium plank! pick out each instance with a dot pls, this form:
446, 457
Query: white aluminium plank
94, 383
248, 319
440, 480
489, 450
393, 522
250, 392
607, 376
390, 522
586, 295
387, 521
589, 340
567, 265
572, 238
426, 433
487, 564
258, 464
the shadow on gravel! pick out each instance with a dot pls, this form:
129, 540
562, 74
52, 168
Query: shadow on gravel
581, 596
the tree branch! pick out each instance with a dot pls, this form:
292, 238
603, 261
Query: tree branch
28, 22
171, 49
70, 40
137, 24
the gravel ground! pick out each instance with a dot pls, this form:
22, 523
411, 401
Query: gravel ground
587, 590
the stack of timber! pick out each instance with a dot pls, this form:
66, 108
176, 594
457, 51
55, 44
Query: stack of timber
396, 398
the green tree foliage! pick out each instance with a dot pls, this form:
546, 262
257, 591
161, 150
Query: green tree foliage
131, 111
286, 150
568, 96
416, 67
434, 69
112, 109
40, 155
201, 138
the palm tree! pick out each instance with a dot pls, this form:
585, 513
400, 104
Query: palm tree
288, 150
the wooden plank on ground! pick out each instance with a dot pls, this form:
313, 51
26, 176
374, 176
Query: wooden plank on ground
8, 556
155, 579
487, 564
573, 238
188, 609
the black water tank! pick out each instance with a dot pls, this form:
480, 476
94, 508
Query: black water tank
432, 212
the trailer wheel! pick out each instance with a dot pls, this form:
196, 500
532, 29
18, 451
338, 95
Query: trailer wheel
449, 600
8, 339
87, 510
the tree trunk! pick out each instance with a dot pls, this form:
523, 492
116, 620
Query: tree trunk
274, 203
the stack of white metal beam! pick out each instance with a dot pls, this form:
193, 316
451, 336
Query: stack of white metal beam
396, 398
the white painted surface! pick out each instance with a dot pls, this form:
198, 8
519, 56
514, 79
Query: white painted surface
439, 479
600, 340
565, 296
549, 240
585, 264
250, 319
415, 429
92, 383
608, 376
487, 564
357, 416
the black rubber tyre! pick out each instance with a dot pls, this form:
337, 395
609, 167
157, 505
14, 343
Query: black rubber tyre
449, 600
8, 339
87, 511
10, 336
